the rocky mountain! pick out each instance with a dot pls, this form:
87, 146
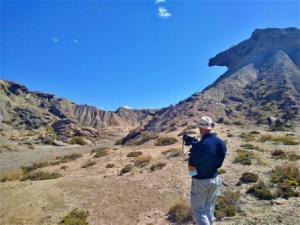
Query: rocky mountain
262, 81
25, 109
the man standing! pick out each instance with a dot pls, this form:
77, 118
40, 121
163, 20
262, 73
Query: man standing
206, 156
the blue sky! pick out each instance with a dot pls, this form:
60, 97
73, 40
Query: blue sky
134, 53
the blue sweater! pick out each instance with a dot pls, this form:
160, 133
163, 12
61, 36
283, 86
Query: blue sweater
207, 156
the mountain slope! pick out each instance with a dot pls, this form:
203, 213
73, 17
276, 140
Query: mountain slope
262, 80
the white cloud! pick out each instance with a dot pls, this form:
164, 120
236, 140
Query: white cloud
75, 41
54, 39
126, 107
163, 13
159, 1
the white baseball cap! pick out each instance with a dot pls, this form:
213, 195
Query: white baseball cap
205, 122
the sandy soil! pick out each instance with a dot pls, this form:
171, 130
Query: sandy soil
140, 197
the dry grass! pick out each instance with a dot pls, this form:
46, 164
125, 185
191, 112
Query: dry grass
163, 141
75, 217
11, 175
88, 164
142, 161
69, 158
100, 152
226, 204
244, 157
157, 166
261, 191
134, 154
77, 140
126, 169
172, 152
34, 166
249, 177
285, 140
41, 175
180, 213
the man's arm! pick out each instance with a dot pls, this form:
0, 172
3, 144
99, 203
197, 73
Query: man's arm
192, 160
221, 154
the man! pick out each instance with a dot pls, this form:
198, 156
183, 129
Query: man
206, 156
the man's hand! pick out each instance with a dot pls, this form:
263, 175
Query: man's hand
191, 168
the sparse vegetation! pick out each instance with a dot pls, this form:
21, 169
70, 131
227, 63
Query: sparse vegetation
64, 167
285, 140
249, 177
157, 166
69, 158
293, 157
11, 175
226, 204
134, 154
77, 140
40, 175
172, 152
142, 139
142, 161
180, 213
88, 164
247, 137
163, 141
126, 169
244, 157
261, 191
288, 173
278, 154
75, 217
100, 152
110, 165
252, 147
34, 166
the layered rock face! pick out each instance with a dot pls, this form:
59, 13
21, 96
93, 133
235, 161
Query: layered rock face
24, 109
262, 80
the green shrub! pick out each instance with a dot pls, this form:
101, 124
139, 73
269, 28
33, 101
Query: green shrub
285, 190
226, 204
88, 164
34, 166
163, 141
247, 137
110, 165
40, 175
286, 173
221, 171
75, 217
172, 152
244, 157
249, 177
77, 140
126, 169
142, 139
142, 161
180, 213
134, 154
157, 166
261, 191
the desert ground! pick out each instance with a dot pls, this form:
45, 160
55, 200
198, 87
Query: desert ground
144, 195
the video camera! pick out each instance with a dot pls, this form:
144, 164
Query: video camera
188, 140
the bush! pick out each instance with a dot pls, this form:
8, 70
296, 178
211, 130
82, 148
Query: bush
142, 161
88, 164
180, 213
134, 154
76, 217
172, 152
100, 152
64, 167
34, 166
77, 140
254, 132
69, 158
278, 154
247, 137
285, 190
110, 165
11, 175
226, 204
221, 171
244, 157
126, 169
249, 177
41, 175
261, 191
288, 173
157, 166
163, 141
142, 138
